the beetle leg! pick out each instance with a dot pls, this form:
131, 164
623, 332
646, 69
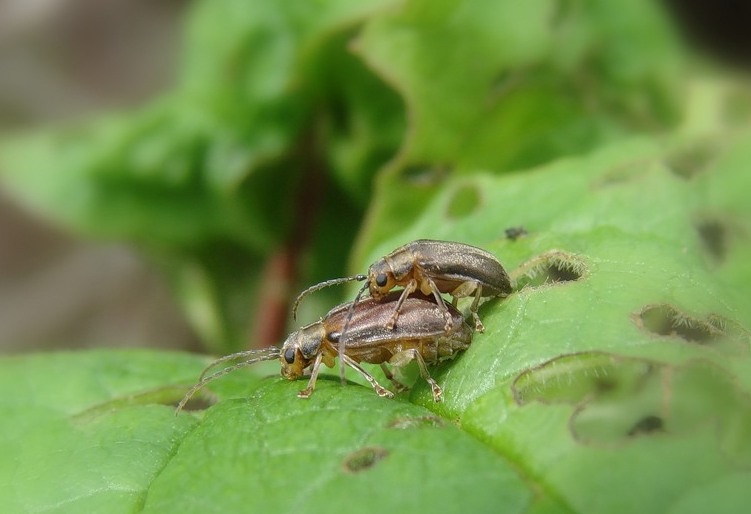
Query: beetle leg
439, 301
342, 342
473, 309
398, 386
402, 358
410, 288
471, 288
305, 393
379, 389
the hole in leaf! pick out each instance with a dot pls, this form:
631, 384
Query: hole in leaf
364, 458
464, 202
646, 425
406, 422
690, 161
605, 391
549, 267
569, 378
666, 320
647, 398
605, 383
714, 237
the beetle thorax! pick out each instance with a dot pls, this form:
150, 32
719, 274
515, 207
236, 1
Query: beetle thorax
401, 264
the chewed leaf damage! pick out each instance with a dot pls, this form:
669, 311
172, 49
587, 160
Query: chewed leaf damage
550, 267
616, 399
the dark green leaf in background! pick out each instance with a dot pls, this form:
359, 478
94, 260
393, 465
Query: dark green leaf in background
273, 129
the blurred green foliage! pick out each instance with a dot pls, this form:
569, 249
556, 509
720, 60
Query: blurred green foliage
285, 112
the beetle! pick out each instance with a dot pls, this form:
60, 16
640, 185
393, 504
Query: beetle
432, 267
420, 336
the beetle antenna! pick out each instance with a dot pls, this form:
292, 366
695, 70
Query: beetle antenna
342, 340
246, 354
322, 285
266, 354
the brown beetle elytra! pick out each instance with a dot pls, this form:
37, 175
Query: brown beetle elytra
420, 336
432, 267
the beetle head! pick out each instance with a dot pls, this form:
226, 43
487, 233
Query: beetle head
300, 350
381, 279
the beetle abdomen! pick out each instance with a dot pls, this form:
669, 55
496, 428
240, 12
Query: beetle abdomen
420, 322
453, 263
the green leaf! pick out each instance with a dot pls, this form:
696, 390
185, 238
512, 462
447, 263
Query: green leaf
87, 432
621, 363
327, 455
501, 86
528, 81
82, 432
614, 379
200, 163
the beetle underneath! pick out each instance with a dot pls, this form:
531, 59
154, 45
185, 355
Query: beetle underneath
420, 336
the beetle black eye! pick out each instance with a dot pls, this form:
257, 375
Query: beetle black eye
289, 355
381, 280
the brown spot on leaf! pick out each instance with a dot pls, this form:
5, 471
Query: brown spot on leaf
714, 238
691, 160
364, 458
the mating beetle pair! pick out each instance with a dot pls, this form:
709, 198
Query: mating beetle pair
420, 337
394, 327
